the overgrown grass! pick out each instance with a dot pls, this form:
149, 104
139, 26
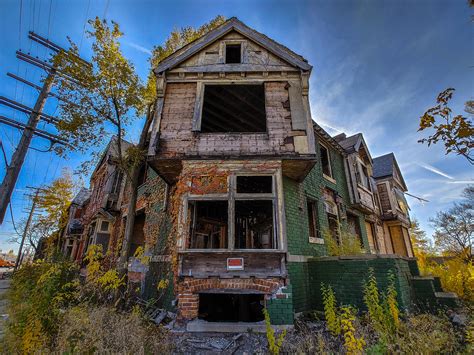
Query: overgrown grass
37, 294
51, 311
383, 329
103, 330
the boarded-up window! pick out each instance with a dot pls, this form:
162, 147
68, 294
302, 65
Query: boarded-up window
398, 240
233, 108
370, 228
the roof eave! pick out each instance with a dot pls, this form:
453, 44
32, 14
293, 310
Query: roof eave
236, 25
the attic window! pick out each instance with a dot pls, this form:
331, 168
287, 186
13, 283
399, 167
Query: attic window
233, 108
232, 54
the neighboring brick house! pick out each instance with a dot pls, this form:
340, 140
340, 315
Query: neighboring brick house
71, 235
100, 220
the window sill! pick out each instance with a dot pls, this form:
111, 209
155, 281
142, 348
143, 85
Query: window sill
316, 240
229, 251
233, 134
330, 179
364, 188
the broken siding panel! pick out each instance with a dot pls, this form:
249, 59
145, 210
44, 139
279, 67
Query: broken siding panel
298, 115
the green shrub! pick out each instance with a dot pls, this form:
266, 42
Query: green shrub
346, 244
274, 343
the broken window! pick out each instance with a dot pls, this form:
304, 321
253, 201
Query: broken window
312, 209
138, 236
333, 224
254, 224
117, 183
362, 175
104, 226
208, 224
233, 108
249, 213
354, 227
225, 307
233, 53
325, 161
254, 184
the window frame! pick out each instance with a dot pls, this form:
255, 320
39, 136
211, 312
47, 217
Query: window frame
231, 196
316, 239
328, 153
230, 43
199, 105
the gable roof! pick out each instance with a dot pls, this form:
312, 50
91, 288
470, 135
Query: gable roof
384, 166
322, 133
112, 148
232, 24
81, 197
353, 143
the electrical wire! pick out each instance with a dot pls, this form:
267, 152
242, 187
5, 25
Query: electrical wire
13, 220
85, 23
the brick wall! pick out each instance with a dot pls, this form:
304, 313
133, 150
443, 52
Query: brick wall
297, 229
189, 288
347, 275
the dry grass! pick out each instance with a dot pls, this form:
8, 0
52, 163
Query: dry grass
101, 329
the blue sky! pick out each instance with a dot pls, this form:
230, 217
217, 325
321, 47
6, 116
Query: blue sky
377, 66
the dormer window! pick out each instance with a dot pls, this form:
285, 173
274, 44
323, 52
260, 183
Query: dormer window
233, 54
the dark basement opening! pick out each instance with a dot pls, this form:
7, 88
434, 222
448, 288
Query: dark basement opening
233, 109
225, 307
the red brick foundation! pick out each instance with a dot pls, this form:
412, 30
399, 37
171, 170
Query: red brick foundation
188, 290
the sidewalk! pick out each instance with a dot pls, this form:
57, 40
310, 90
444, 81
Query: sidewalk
4, 286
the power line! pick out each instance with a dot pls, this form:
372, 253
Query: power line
85, 23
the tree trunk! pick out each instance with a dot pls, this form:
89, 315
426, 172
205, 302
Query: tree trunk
130, 221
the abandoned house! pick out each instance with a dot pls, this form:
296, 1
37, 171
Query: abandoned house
95, 218
242, 187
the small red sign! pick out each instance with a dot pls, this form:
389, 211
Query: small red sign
235, 263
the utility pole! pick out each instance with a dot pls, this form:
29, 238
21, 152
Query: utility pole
25, 231
35, 114
13, 170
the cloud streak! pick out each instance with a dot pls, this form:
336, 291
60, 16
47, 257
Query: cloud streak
138, 47
435, 170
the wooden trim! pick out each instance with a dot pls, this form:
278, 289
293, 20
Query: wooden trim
198, 104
